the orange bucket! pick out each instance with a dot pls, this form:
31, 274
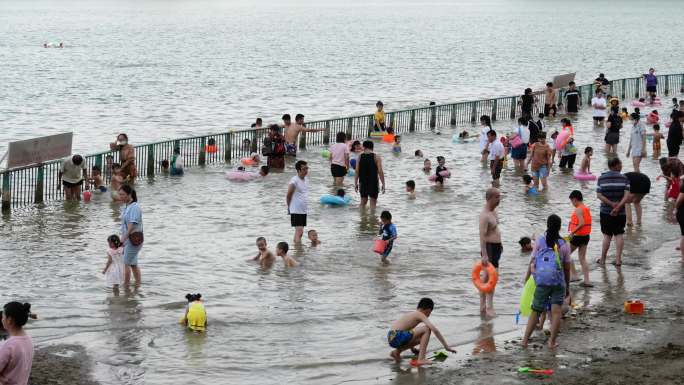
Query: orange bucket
379, 246
634, 307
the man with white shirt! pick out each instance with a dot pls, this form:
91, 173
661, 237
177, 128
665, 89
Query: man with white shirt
496, 156
297, 198
598, 102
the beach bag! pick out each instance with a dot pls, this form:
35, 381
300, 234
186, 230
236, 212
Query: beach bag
547, 264
137, 238
516, 142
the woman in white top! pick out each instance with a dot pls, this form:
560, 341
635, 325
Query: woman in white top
339, 159
486, 123
598, 102
637, 141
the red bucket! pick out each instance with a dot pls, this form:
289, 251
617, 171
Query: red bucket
379, 246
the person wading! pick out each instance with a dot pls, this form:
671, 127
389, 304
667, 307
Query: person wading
131, 233
368, 172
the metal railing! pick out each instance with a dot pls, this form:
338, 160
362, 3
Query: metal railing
39, 183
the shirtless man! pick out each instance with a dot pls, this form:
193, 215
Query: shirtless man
550, 102
405, 333
292, 132
265, 257
490, 244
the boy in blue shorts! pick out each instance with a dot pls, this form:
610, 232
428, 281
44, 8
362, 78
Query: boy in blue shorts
388, 231
405, 333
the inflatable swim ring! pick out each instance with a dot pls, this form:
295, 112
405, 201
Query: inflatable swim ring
652, 118
527, 296
211, 149
240, 176
335, 200
248, 162
389, 138
636, 103
584, 176
456, 140
562, 139
493, 277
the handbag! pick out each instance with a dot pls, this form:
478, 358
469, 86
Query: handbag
137, 238
517, 141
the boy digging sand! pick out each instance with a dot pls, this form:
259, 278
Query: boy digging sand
405, 333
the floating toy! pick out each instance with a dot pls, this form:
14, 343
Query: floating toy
335, 200
439, 356
443, 174
493, 277
248, 162
240, 176
87, 195
211, 148
584, 176
325, 154
389, 138
527, 296
546, 372
634, 307
379, 246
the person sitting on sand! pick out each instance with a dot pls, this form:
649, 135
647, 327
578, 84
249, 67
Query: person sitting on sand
405, 333
550, 265
313, 235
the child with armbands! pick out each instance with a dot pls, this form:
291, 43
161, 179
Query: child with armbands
195, 317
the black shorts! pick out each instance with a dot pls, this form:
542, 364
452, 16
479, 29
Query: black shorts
599, 118
652, 89
494, 251
367, 191
337, 170
298, 220
70, 185
613, 225
496, 174
579, 240
680, 219
572, 108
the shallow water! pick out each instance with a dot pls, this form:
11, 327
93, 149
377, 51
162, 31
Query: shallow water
321, 323
157, 70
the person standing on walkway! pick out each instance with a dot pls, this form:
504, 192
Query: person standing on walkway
674, 134
131, 233
651, 84
73, 172
368, 172
637, 141
580, 232
612, 189
297, 199
339, 158
490, 244
126, 158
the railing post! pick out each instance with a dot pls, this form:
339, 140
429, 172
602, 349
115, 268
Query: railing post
412, 121
38, 197
667, 85
473, 111
326, 133
636, 88
433, 115
6, 194
452, 119
514, 103
624, 88
227, 156
350, 128
150, 161
370, 125
589, 94
202, 158
494, 109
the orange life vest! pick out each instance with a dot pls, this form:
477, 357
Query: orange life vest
574, 221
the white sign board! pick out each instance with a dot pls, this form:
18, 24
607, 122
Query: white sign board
39, 150
562, 81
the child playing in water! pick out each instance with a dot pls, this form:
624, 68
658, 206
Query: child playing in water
264, 256
525, 245
441, 171
114, 268
379, 117
96, 180
464, 134
116, 182
529, 185
427, 166
388, 232
281, 250
540, 161
418, 154
554, 135
657, 137
624, 114
313, 235
585, 167
405, 333
195, 317
396, 147
411, 189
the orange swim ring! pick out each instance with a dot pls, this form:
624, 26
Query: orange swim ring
389, 138
493, 277
211, 148
247, 161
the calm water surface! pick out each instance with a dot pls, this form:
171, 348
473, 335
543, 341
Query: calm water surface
158, 71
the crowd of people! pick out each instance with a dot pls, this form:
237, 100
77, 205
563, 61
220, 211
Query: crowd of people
550, 266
